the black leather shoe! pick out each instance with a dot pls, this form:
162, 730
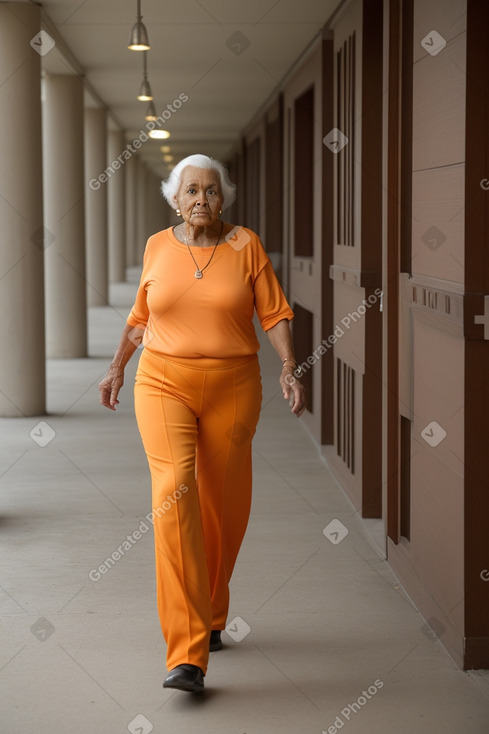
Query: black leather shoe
215, 643
186, 678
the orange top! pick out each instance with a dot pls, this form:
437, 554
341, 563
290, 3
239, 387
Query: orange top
213, 316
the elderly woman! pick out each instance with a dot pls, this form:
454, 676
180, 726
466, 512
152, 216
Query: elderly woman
198, 399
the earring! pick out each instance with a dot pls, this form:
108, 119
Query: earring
220, 211
179, 213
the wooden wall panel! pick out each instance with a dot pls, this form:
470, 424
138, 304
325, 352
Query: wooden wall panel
357, 251
345, 414
303, 347
476, 465
327, 250
345, 457
241, 186
392, 266
406, 134
304, 174
371, 241
233, 165
274, 181
348, 169
405, 477
345, 121
253, 188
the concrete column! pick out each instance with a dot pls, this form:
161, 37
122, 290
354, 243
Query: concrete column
163, 209
151, 192
159, 219
152, 187
96, 207
64, 217
131, 213
149, 195
116, 208
141, 212
22, 371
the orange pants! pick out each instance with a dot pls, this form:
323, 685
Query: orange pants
197, 418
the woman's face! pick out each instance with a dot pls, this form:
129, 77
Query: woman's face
199, 197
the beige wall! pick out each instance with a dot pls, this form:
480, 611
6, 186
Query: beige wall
350, 348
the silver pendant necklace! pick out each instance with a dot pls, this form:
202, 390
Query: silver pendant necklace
199, 273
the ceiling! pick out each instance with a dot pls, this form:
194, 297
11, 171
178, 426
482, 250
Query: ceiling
227, 56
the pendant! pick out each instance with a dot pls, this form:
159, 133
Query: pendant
198, 273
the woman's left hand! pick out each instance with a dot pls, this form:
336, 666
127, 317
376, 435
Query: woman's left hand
293, 391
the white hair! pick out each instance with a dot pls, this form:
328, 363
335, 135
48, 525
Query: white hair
170, 187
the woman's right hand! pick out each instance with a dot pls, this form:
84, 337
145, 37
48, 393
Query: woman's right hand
110, 386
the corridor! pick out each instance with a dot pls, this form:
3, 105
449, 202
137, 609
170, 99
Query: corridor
321, 636
354, 134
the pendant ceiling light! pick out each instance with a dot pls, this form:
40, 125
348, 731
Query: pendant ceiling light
138, 40
145, 93
151, 112
159, 134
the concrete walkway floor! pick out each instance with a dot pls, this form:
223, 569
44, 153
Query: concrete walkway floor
321, 636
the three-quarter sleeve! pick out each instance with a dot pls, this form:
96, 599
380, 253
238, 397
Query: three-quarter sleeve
183, 316
270, 302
